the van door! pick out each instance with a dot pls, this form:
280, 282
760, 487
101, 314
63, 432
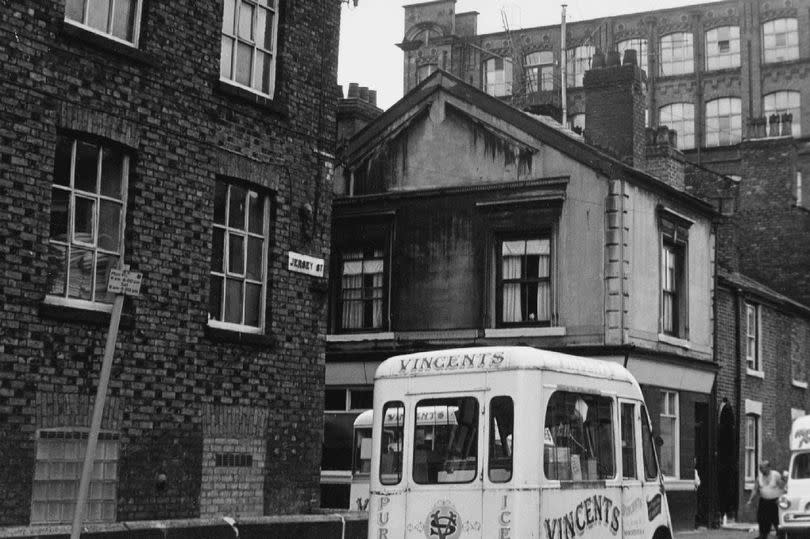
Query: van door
446, 489
634, 514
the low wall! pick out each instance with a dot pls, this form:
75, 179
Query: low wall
353, 525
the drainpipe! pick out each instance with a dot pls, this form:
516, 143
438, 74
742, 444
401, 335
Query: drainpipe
738, 382
563, 69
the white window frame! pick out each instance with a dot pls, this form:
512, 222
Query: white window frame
578, 62
717, 59
665, 412
498, 82
224, 273
71, 243
753, 357
676, 53
753, 411
75, 462
639, 44
715, 135
501, 281
771, 50
780, 102
537, 67
674, 116
271, 8
136, 22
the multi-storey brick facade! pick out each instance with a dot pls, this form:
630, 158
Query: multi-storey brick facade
195, 382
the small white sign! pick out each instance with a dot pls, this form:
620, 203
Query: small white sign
123, 281
305, 264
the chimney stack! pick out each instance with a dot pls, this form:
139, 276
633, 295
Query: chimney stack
615, 106
663, 159
356, 110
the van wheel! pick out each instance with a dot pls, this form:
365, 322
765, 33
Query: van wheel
662, 533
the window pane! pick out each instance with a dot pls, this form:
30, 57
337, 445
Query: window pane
244, 61
218, 251
253, 299
104, 264
84, 220
226, 58
501, 439
393, 418
629, 441
228, 17
109, 225
215, 298
233, 301
256, 213
59, 214
236, 254
445, 446
123, 19
647, 446
86, 167
74, 10
254, 258
260, 70
57, 269
246, 21
578, 440
112, 171
80, 284
236, 215
62, 161
261, 27
98, 14
220, 199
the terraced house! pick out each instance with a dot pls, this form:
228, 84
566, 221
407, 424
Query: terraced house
191, 141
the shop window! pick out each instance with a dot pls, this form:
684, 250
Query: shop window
669, 427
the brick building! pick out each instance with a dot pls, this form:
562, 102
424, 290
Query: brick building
713, 70
192, 141
448, 196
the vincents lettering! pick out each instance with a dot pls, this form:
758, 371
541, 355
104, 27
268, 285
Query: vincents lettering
596, 510
451, 362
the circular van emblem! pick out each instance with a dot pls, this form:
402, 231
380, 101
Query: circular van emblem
443, 521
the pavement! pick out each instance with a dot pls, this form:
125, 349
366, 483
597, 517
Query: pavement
736, 531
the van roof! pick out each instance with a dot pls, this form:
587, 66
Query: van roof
497, 359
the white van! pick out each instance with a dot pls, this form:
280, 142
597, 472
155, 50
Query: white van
794, 505
531, 444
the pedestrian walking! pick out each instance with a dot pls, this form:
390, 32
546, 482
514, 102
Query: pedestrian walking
768, 487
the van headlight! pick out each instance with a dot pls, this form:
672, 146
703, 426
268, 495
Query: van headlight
784, 501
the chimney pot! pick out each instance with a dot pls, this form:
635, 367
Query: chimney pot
372, 97
787, 124
630, 57
354, 90
613, 59
598, 60
364, 93
773, 120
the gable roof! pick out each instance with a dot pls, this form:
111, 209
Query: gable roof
485, 107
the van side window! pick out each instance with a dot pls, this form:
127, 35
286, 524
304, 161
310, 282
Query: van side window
501, 429
445, 444
391, 439
629, 470
647, 446
578, 438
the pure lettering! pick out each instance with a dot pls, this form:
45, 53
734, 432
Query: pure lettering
593, 510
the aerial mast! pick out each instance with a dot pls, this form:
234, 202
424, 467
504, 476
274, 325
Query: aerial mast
563, 69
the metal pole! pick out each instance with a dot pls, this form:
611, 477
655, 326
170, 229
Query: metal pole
563, 69
98, 411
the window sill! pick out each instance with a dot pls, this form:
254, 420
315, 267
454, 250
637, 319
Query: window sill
221, 335
755, 374
720, 70
799, 384
73, 313
100, 41
358, 337
675, 341
224, 88
525, 332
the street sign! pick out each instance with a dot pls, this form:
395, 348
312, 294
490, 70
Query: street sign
132, 283
305, 264
116, 282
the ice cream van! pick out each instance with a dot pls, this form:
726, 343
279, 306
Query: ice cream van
535, 444
794, 505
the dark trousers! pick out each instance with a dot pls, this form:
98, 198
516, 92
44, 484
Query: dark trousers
767, 516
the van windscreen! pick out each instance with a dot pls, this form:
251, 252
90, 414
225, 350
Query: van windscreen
445, 445
801, 466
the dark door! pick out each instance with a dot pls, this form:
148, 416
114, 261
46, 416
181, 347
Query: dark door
702, 461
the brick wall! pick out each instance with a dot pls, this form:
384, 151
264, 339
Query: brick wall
163, 102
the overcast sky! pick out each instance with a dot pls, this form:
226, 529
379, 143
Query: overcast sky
368, 33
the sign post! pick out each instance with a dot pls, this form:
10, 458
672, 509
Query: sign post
121, 282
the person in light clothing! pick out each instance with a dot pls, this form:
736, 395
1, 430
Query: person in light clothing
768, 487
